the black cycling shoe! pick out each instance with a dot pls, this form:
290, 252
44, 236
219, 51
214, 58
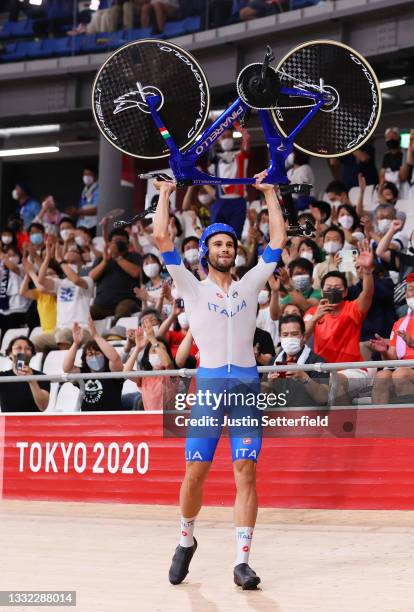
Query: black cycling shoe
180, 563
245, 577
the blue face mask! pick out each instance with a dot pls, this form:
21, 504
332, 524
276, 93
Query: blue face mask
36, 238
96, 363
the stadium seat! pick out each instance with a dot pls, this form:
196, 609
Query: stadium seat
102, 325
5, 363
35, 332
14, 52
129, 387
370, 196
17, 29
67, 399
117, 39
138, 34
192, 24
128, 322
298, 4
14, 332
174, 28
54, 362
36, 362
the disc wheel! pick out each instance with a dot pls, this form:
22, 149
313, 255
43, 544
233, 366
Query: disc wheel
353, 106
147, 68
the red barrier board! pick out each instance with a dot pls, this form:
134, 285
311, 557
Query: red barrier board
125, 458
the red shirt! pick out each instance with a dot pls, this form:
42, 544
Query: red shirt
337, 337
174, 340
409, 352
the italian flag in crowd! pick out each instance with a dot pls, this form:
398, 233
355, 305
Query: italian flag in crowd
164, 133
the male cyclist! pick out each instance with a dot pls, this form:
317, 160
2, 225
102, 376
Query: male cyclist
222, 317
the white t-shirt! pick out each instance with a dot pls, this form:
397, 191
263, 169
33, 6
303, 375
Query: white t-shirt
73, 302
264, 321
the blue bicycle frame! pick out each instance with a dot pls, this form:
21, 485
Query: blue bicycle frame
183, 164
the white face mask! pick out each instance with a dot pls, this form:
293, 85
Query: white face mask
307, 255
6, 239
240, 261
384, 225
155, 361
183, 320
64, 234
331, 247
410, 303
191, 255
204, 198
263, 297
151, 270
87, 180
175, 294
156, 329
264, 228
291, 346
14, 260
15, 195
301, 282
359, 236
335, 203
226, 144
80, 241
346, 221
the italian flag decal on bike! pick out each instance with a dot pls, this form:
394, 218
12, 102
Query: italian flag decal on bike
165, 133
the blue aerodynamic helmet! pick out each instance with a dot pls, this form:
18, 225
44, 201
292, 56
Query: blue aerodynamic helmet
212, 230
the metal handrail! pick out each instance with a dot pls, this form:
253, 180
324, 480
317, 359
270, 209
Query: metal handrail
188, 373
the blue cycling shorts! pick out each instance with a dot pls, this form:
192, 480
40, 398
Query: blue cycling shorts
225, 398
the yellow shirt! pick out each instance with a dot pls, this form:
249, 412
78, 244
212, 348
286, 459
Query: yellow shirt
46, 307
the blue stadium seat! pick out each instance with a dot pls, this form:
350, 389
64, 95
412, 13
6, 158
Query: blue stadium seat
14, 52
94, 43
34, 49
132, 35
17, 29
174, 28
5, 30
117, 39
192, 24
298, 4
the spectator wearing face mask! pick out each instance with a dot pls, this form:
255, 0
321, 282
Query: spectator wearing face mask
189, 249
24, 396
347, 218
158, 392
298, 284
66, 242
337, 194
153, 279
396, 384
392, 163
385, 214
303, 388
231, 162
97, 356
83, 241
321, 214
28, 207
336, 323
116, 274
49, 216
87, 210
73, 297
13, 306
333, 242
36, 244
8, 239
305, 248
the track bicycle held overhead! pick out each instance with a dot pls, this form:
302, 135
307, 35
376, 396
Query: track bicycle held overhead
151, 100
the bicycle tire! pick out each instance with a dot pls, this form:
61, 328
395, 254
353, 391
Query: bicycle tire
349, 121
155, 67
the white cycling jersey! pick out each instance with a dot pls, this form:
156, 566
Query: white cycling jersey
222, 325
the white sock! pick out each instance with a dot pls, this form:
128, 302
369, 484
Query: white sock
244, 537
187, 529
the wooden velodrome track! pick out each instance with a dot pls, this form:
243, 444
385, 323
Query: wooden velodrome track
117, 556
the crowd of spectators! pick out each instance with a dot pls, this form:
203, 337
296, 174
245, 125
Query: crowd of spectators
344, 295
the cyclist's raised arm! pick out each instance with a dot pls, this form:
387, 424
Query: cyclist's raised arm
277, 225
162, 217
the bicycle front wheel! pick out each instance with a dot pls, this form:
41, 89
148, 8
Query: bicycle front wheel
147, 68
349, 118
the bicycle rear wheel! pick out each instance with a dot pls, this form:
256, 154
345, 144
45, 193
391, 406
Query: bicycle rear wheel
349, 119
146, 68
